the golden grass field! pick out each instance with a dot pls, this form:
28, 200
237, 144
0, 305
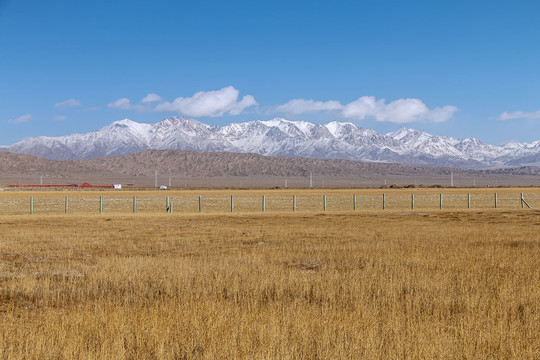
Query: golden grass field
280, 285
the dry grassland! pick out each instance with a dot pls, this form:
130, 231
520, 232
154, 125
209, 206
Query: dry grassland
338, 285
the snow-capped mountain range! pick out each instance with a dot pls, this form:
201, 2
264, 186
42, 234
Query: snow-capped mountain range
280, 137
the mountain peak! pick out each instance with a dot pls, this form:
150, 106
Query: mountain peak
288, 126
336, 127
123, 123
400, 133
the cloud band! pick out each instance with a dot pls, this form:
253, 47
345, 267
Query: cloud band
398, 111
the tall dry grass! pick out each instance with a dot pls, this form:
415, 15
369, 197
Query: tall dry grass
310, 286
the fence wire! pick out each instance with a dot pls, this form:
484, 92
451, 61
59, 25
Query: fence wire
16, 204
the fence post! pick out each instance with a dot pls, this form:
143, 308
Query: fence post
383, 201
495, 200
232, 203
134, 204
523, 202
324, 201
101, 204
412, 201
200, 203
294, 203
468, 200
263, 203
31, 205
354, 201
168, 203
440, 201
67, 205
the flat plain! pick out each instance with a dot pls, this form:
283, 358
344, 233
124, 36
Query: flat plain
398, 283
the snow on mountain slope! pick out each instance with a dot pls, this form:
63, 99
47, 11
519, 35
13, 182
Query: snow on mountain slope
187, 134
472, 148
424, 143
114, 139
362, 138
289, 126
283, 138
420, 142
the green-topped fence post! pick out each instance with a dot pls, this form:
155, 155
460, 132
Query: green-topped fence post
263, 203
67, 205
134, 204
324, 202
495, 197
468, 200
294, 203
354, 201
412, 201
200, 203
383, 201
101, 204
31, 205
232, 203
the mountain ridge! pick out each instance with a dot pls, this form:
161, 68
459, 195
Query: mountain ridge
215, 164
281, 137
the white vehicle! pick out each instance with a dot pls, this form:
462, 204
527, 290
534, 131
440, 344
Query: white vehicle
162, 187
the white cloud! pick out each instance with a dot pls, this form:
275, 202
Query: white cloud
519, 115
209, 103
226, 101
21, 119
122, 104
60, 118
237, 107
151, 98
402, 111
68, 103
440, 114
365, 106
397, 111
299, 106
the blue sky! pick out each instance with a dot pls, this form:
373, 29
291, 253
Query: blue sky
457, 68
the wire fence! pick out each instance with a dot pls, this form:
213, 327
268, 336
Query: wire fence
250, 203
